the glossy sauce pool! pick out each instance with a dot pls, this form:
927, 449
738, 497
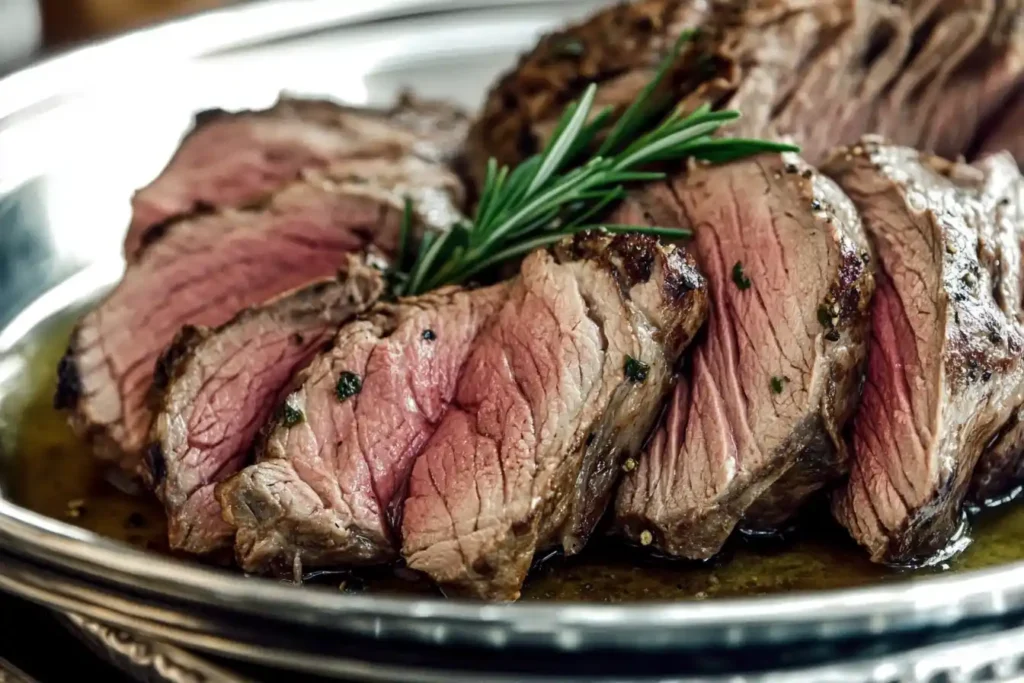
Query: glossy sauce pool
54, 474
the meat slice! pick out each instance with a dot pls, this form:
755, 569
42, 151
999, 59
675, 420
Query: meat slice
558, 391
820, 72
755, 423
324, 484
1007, 131
207, 268
966, 59
217, 387
945, 371
237, 159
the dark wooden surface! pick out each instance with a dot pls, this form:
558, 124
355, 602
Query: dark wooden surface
67, 22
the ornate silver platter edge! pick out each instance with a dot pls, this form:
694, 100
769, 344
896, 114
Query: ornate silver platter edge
997, 658
76, 571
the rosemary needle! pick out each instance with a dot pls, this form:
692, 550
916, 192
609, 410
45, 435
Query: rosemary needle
561, 190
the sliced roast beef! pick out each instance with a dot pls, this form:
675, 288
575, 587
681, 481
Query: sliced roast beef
756, 420
217, 388
966, 59
207, 268
557, 392
338, 459
237, 159
1007, 132
819, 72
945, 371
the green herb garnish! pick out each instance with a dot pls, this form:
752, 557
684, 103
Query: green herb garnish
292, 416
570, 47
738, 276
636, 370
777, 384
825, 315
349, 385
563, 189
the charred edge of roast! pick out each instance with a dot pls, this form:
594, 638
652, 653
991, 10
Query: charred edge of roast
630, 257
205, 116
170, 361
154, 465
590, 51
154, 233
69, 381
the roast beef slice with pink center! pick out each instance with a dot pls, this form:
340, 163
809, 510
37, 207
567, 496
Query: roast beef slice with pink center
563, 384
207, 268
237, 159
324, 486
755, 423
944, 371
219, 386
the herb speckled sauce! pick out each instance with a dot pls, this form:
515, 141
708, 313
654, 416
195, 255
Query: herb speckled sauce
54, 474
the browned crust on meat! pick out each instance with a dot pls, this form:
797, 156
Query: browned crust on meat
176, 359
169, 365
981, 343
68, 397
69, 381
622, 39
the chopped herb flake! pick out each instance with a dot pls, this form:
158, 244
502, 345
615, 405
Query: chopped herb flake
570, 47
292, 416
825, 315
629, 465
741, 280
636, 370
429, 335
646, 537
778, 383
349, 384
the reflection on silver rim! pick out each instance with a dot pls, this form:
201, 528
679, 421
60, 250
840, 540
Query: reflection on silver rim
113, 579
10, 674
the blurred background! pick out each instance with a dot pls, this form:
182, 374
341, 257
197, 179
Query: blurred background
29, 28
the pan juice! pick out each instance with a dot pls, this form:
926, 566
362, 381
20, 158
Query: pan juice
54, 474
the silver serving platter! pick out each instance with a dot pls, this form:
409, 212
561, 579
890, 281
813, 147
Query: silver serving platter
79, 132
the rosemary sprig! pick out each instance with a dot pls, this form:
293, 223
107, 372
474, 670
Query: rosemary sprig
560, 191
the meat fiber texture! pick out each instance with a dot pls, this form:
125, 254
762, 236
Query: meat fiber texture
217, 387
205, 268
945, 371
1007, 131
927, 73
236, 159
325, 485
559, 389
755, 423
